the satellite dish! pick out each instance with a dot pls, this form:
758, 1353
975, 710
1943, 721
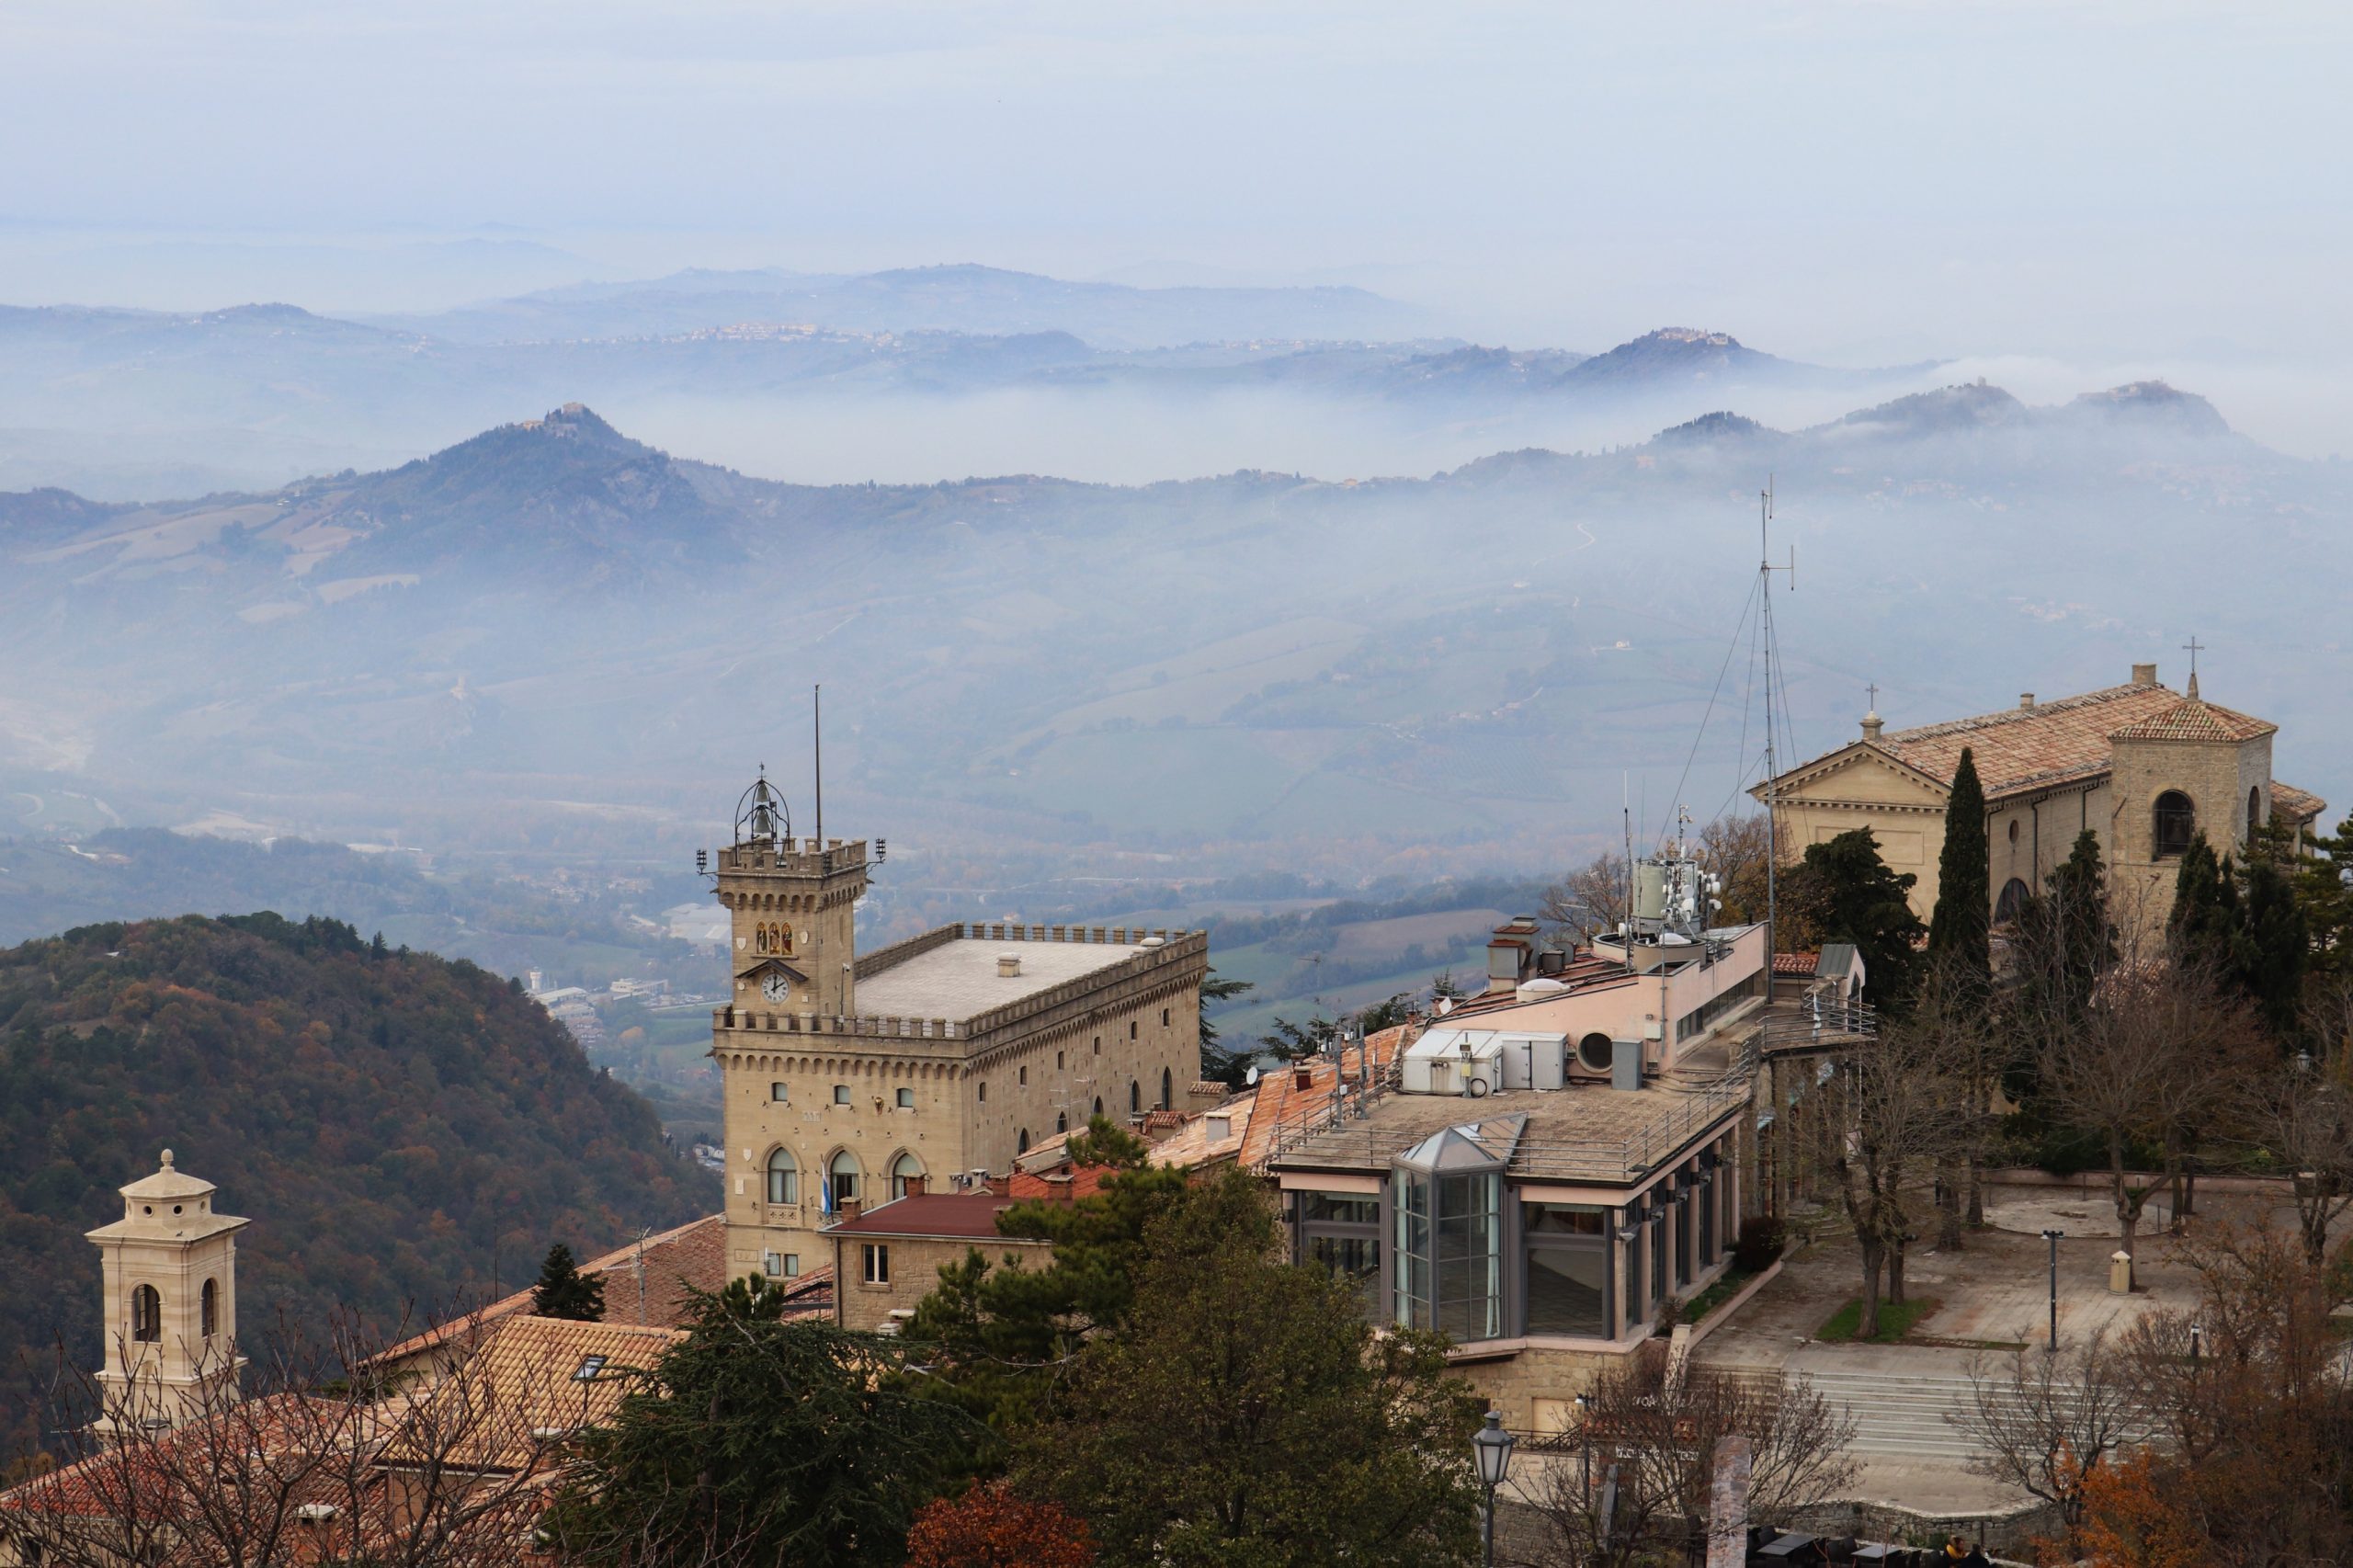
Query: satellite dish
1250, 1077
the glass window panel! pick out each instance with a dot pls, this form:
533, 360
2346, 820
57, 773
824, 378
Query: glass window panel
1355, 1260
1565, 1288
1339, 1208
1564, 1220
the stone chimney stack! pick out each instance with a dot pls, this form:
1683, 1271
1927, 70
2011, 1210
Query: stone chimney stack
2026, 700
2145, 674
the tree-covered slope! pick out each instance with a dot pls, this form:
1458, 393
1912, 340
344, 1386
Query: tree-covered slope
388, 1120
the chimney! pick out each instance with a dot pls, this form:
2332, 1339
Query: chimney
1511, 953
2026, 700
2145, 674
845, 1211
1008, 965
1302, 1077
914, 1186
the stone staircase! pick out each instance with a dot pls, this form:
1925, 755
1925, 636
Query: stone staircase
1897, 1416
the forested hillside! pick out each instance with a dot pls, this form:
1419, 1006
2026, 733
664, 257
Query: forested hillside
388, 1120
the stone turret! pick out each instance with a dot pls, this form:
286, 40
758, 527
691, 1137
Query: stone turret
170, 1271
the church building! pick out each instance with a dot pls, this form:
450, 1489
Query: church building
2143, 767
853, 1079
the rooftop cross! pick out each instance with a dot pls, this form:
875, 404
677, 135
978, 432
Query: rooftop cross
1873, 689
2194, 648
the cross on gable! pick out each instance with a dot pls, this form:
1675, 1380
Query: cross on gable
2193, 647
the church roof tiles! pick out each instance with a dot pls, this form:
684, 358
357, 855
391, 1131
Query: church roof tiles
2026, 748
2192, 719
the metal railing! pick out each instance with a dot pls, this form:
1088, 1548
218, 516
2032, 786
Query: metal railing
1817, 1021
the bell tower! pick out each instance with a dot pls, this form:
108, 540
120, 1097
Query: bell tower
791, 906
170, 1268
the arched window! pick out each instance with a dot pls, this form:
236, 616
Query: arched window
1021, 1141
1062, 1121
1167, 1089
1135, 1097
2013, 896
1098, 1104
207, 1309
1595, 1053
902, 1167
2177, 820
844, 1172
784, 1177
2254, 814
146, 1315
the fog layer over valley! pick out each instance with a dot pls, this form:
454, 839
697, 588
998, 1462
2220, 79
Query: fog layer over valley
555, 640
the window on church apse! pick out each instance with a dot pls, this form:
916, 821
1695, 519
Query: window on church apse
2177, 820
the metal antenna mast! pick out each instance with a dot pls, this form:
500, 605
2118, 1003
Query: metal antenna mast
1765, 570
817, 729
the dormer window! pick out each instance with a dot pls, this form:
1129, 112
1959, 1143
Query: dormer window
2176, 822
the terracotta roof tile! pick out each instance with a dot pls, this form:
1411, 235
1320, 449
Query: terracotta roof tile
694, 1253
532, 1374
1280, 1089
965, 1214
2296, 805
2019, 748
2191, 720
1795, 963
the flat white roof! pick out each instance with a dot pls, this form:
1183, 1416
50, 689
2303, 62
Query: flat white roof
959, 980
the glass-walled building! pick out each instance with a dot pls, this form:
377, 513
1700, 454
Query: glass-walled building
1541, 1238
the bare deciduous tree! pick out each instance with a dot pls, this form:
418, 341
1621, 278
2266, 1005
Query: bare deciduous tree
2044, 1422
1734, 850
1647, 1445
1590, 900
323, 1460
1892, 1121
2300, 1116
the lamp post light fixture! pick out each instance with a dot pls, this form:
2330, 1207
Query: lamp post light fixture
1491, 1453
2196, 1334
2053, 1237
1584, 1442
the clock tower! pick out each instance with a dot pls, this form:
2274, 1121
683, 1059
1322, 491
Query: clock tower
791, 904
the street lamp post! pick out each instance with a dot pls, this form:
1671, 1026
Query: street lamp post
2053, 1237
1491, 1452
1584, 1444
2196, 1334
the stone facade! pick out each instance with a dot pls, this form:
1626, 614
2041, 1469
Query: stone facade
999, 1036
910, 1267
170, 1272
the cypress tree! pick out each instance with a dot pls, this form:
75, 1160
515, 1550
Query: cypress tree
563, 1291
1959, 927
1845, 892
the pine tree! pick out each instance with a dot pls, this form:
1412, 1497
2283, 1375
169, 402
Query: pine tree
2324, 891
1844, 892
1959, 929
563, 1291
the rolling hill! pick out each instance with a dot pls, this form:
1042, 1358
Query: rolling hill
395, 1125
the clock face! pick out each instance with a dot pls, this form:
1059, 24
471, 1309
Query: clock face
776, 987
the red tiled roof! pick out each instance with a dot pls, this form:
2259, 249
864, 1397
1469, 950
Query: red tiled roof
1071, 1181
694, 1253
2296, 805
1279, 1090
2191, 720
2022, 748
1796, 963
964, 1214
100, 1485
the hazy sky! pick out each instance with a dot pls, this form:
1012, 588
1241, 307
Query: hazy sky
2066, 190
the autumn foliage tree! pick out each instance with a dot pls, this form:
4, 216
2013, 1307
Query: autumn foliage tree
992, 1527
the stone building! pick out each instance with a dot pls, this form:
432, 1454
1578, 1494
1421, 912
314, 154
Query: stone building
847, 1075
1539, 1170
169, 1267
2141, 766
